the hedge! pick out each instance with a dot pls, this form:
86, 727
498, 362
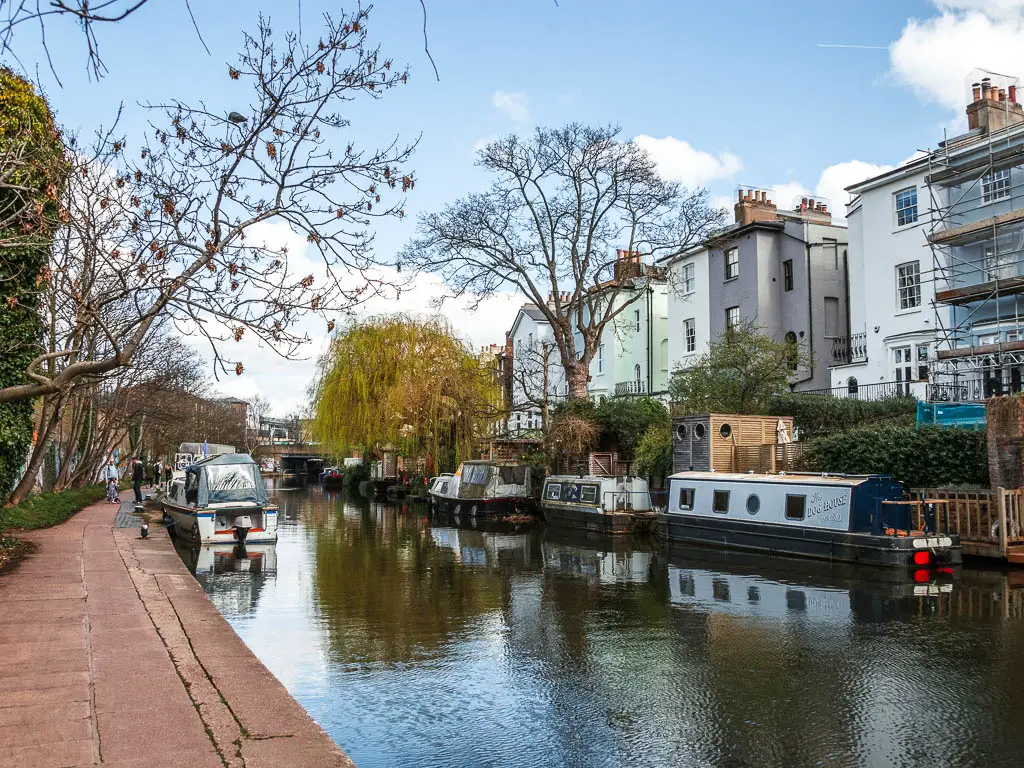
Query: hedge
926, 457
821, 415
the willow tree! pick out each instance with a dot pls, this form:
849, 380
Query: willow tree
32, 170
405, 382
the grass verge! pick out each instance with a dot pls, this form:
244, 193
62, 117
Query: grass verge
48, 508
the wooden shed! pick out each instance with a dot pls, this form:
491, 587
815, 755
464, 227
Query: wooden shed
708, 442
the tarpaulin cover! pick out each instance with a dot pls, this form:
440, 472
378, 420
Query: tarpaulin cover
229, 478
951, 414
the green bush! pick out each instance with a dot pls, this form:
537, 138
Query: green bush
50, 508
926, 457
624, 420
654, 452
820, 415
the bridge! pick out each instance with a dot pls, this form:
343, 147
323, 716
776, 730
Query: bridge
294, 458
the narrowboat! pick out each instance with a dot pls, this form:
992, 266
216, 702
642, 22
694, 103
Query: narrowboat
854, 519
438, 487
332, 477
221, 500
612, 505
487, 488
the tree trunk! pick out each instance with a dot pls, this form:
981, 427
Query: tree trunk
46, 429
577, 376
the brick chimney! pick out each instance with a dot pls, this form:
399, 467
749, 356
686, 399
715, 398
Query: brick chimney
993, 108
627, 264
814, 210
754, 205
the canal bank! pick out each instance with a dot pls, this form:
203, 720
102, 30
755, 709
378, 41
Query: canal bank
111, 653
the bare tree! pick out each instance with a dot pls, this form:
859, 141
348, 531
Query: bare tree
562, 203
258, 409
534, 378
177, 239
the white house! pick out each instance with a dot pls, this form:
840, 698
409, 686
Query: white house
533, 362
689, 307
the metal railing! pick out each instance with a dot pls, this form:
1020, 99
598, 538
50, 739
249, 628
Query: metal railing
876, 391
630, 388
849, 349
974, 389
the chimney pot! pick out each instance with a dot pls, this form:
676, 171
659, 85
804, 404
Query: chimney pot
740, 196
986, 88
1002, 94
976, 91
1012, 93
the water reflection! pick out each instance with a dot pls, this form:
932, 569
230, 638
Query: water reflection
417, 640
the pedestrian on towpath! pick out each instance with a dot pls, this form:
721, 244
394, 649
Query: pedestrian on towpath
110, 475
158, 469
138, 475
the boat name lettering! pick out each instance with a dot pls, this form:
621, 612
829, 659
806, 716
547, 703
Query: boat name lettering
817, 505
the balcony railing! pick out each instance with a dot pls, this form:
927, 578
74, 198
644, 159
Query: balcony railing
630, 388
876, 391
974, 389
849, 349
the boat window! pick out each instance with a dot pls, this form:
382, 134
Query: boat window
444, 487
686, 498
588, 494
475, 474
698, 431
191, 488
512, 475
720, 503
753, 504
725, 431
231, 482
795, 506
681, 431
554, 491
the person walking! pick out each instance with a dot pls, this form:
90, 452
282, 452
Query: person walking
158, 469
110, 475
138, 475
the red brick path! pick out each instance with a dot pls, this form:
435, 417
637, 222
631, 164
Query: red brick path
110, 653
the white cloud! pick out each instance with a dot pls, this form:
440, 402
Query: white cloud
679, 161
936, 56
836, 178
513, 104
786, 194
482, 142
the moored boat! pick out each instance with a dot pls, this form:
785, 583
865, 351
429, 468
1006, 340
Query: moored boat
222, 500
332, 477
613, 505
487, 488
855, 519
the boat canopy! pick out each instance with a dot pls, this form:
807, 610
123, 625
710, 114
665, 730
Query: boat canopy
229, 477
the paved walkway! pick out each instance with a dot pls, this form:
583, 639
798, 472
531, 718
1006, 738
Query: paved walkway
110, 653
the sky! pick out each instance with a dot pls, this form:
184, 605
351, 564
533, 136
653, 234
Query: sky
797, 97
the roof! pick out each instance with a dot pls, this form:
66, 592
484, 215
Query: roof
224, 459
532, 310
818, 479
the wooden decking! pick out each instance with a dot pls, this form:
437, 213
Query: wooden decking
988, 521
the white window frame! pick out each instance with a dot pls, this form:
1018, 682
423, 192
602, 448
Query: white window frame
689, 278
995, 186
690, 335
899, 210
908, 294
600, 358
730, 325
732, 259
903, 363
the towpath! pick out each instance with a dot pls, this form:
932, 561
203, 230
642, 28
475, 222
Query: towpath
111, 653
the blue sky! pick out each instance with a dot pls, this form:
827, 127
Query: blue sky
744, 89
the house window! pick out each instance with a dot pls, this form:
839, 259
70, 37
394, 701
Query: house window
720, 503
908, 285
852, 386
904, 366
906, 207
600, 358
787, 274
529, 341
690, 335
732, 318
636, 371
637, 313
686, 498
795, 506
922, 362
831, 253
995, 185
732, 263
689, 281
998, 266
793, 355
664, 354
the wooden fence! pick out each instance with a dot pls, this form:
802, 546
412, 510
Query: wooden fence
988, 521
770, 457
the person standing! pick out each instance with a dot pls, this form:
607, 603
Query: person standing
158, 469
110, 475
138, 475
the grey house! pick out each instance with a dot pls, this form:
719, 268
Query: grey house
786, 272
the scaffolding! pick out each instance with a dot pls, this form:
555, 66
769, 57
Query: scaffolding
975, 232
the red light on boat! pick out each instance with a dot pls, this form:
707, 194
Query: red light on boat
947, 571
922, 558
922, 576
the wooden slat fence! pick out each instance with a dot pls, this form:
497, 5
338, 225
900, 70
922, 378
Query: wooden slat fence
988, 521
770, 457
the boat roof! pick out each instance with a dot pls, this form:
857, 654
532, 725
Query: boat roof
795, 477
590, 478
224, 458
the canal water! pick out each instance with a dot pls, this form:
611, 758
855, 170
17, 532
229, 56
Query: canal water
415, 642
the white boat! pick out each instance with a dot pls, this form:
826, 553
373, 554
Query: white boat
486, 488
221, 500
619, 505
